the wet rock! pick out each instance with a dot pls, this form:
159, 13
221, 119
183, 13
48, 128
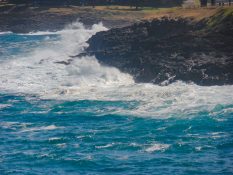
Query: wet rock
68, 62
167, 50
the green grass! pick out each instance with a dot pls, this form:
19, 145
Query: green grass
197, 3
219, 17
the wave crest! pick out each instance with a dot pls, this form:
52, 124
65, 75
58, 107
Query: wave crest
49, 72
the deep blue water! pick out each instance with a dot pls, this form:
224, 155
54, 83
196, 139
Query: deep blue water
40, 134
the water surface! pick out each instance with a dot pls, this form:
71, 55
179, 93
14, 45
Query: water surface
86, 118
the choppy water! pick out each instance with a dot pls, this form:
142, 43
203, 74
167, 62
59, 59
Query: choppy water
86, 118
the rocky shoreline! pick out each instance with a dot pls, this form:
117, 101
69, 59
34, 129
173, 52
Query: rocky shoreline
158, 51
166, 50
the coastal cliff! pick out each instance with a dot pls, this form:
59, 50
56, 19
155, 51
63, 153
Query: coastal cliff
165, 50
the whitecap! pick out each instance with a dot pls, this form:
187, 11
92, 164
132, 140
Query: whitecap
157, 147
42, 128
14, 125
54, 138
2, 106
61, 145
104, 146
198, 148
4, 33
50, 73
216, 135
135, 144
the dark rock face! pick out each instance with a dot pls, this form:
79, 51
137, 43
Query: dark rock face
163, 51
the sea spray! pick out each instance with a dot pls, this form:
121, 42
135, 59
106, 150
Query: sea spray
72, 115
50, 71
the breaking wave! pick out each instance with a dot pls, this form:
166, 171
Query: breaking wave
50, 70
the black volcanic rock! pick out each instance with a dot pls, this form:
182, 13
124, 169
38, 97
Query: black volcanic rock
166, 50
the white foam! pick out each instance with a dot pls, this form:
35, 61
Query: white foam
198, 148
42, 128
55, 138
2, 106
42, 73
61, 145
40, 33
216, 135
157, 147
4, 33
14, 125
104, 146
8, 125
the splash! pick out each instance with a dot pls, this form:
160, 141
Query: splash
50, 71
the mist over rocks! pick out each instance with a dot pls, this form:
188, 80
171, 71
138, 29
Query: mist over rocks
166, 50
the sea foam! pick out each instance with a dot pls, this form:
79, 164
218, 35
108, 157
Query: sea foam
50, 71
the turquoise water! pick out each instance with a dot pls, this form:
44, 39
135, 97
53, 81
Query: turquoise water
87, 121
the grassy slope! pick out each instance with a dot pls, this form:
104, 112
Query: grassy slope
129, 13
220, 16
214, 16
152, 13
122, 14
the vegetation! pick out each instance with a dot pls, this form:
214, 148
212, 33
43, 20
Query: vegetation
135, 3
218, 18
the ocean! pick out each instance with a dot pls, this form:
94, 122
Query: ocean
62, 112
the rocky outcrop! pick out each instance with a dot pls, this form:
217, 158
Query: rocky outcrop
163, 51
